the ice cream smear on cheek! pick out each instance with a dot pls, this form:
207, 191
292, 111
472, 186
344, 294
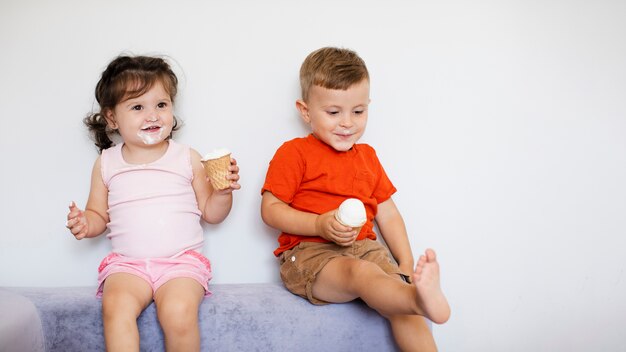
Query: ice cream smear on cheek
151, 134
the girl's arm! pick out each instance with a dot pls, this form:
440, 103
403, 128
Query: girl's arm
93, 220
281, 216
215, 205
391, 226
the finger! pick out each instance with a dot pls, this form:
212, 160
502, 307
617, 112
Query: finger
342, 238
83, 229
73, 222
344, 243
344, 230
75, 214
345, 234
76, 229
72, 212
80, 235
347, 244
339, 227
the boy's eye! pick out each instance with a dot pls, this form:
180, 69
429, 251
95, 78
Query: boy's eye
137, 107
358, 112
333, 112
162, 105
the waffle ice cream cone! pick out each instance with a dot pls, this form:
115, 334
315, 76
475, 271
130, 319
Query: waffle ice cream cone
351, 213
216, 164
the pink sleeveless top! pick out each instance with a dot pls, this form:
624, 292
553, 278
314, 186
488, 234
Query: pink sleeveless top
152, 207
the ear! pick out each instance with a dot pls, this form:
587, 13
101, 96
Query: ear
110, 118
304, 110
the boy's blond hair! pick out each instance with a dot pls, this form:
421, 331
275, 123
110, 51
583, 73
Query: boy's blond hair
331, 68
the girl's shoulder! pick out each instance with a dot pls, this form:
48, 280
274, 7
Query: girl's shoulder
111, 155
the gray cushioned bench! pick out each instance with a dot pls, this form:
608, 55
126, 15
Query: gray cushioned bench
237, 317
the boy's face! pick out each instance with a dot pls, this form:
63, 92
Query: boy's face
337, 117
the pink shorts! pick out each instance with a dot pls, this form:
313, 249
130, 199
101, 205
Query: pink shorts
157, 271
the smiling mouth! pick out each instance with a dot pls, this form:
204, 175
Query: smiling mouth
151, 128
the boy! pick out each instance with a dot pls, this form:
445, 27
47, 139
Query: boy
308, 178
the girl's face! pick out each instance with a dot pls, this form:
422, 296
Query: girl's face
145, 120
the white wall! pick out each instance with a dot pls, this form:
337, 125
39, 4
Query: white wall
502, 124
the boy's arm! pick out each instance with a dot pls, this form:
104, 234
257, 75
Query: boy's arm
93, 220
393, 230
281, 216
214, 205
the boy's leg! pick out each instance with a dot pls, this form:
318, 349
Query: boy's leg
411, 333
426, 281
124, 297
178, 301
343, 279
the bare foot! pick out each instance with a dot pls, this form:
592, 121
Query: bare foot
426, 280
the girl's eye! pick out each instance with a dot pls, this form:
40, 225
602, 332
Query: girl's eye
358, 112
162, 105
137, 107
332, 112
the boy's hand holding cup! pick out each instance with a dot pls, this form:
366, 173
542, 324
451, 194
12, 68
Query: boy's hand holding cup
351, 213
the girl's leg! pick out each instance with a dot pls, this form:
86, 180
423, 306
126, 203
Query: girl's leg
178, 301
124, 297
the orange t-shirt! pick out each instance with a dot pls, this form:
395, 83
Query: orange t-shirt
311, 176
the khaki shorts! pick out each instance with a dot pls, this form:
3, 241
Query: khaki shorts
300, 265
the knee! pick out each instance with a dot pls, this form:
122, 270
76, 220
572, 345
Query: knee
360, 269
177, 316
118, 305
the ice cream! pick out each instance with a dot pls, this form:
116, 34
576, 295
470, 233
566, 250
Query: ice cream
216, 163
351, 213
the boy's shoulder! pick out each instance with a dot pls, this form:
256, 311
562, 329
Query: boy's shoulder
296, 144
296, 141
365, 148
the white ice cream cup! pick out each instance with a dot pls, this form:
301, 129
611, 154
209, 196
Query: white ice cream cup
352, 213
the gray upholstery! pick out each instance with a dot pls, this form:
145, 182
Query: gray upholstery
237, 317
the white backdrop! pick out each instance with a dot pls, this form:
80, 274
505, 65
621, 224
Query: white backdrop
501, 123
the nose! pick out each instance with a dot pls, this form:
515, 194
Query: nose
346, 120
153, 115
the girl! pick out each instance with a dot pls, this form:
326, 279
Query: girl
150, 192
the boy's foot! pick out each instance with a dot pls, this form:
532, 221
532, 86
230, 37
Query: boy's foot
426, 280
